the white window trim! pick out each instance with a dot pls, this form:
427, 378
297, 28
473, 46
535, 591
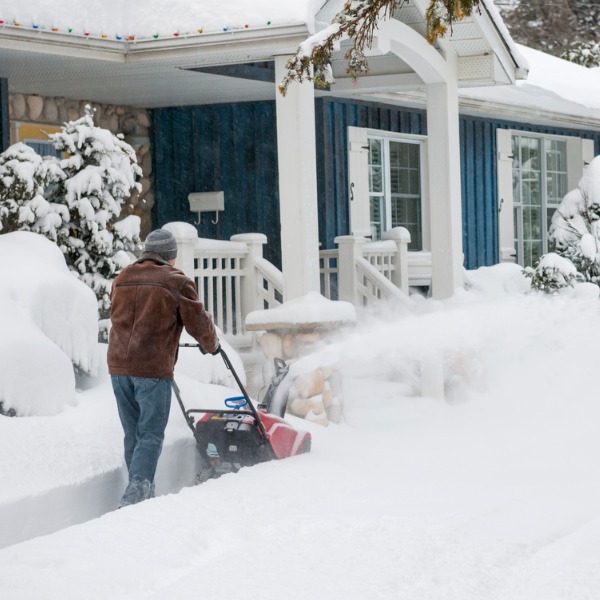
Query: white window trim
358, 174
580, 152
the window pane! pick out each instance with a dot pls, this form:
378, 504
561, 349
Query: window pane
530, 154
415, 182
376, 179
556, 155
531, 190
399, 156
556, 170
43, 148
533, 252
535, 217
406, 212
375, 152
377, 217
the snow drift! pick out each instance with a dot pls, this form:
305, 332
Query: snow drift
49, 323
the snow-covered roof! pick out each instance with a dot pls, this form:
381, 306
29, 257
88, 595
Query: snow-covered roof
141, 19
553, 86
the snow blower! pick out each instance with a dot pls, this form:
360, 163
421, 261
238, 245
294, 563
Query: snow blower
240, 435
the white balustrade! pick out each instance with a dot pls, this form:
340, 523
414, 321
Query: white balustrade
232, 277
356, 281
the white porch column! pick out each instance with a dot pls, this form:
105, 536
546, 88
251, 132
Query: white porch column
444, 188
296, 148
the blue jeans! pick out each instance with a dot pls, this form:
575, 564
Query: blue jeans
143, 405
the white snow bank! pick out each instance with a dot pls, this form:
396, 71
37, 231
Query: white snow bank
36, 378
49, 320
498, 280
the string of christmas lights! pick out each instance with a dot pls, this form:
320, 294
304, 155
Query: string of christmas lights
118, 37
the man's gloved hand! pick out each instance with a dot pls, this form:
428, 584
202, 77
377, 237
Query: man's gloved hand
212, 353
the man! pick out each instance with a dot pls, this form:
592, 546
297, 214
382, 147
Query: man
151, 302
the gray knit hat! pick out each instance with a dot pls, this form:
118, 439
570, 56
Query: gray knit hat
162, 242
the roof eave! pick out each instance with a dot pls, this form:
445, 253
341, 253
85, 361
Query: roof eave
280, 40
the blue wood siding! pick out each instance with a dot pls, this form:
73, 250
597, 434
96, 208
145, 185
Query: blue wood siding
233, 147
478, 181
4, 118
228, 147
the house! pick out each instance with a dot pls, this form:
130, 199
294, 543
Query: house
446, 141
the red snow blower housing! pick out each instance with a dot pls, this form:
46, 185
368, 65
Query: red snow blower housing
240, 435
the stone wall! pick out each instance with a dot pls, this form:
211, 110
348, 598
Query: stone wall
133, 123
316, 393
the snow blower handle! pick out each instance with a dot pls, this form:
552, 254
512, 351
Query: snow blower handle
202, 351
229, 366
244, 392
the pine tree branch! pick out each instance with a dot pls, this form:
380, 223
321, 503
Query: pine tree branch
358, 21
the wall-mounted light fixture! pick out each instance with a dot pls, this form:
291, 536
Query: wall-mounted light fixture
206, 202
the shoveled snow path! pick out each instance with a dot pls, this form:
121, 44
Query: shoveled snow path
495, 498
365, 514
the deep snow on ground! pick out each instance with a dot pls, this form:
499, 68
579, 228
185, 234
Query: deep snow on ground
491, 494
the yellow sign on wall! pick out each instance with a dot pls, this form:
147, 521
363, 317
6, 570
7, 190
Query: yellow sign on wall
35, 135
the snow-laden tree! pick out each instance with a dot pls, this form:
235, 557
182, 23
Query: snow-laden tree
568, 29
586, 54
100, 171
574, 236
24, 176
357, 21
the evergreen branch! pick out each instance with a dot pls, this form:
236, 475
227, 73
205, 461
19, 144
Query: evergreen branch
358, 21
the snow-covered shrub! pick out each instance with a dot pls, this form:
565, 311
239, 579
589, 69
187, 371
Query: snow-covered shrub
552, 273
100, 171
24, 176
574, 237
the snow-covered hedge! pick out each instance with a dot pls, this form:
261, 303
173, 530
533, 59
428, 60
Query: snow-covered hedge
49, 323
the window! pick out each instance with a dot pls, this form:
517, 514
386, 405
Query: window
535, 172
395, 196
43, 147
540, 181
36, 136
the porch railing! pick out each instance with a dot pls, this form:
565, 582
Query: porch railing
232, 277
360, 271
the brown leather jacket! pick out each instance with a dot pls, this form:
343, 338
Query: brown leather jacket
151, 303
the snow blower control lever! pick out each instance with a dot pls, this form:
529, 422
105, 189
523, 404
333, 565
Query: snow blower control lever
232, 403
